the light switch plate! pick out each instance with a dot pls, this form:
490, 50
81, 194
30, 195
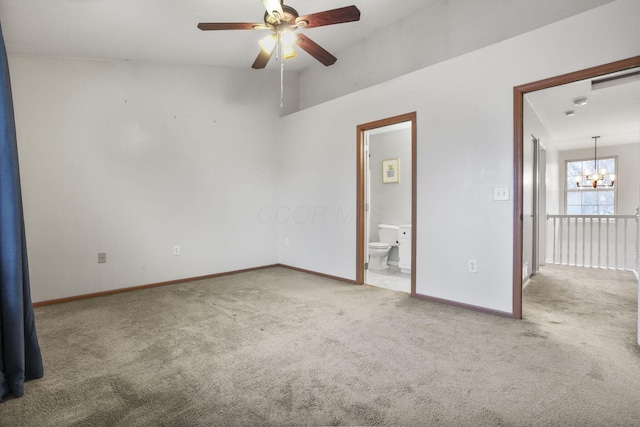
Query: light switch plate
501, 193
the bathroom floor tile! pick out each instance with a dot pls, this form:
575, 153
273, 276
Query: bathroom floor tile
389, 278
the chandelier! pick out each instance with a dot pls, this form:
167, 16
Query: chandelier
596, 179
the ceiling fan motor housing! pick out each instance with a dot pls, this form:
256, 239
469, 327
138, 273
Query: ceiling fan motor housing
289, 18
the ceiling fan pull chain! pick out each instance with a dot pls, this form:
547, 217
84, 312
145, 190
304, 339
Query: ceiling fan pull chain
281, 57
281, 82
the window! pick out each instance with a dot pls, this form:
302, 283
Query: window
584, 199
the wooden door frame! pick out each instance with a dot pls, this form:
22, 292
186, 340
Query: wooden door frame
518, 128
360, 197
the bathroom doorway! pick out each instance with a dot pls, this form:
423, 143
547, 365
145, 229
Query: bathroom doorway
386, 203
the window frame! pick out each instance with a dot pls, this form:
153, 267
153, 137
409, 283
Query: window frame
587, 159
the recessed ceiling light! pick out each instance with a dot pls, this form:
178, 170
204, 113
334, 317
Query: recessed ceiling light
579, 102
570, 113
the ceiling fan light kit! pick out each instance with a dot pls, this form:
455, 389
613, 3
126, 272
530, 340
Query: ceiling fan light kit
273, 7
268, 43
283, 21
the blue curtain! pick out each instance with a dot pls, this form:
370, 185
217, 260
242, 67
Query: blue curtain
20, 358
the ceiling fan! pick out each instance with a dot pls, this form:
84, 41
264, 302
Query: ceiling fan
283, 21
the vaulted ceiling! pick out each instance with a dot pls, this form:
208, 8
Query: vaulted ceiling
165, 30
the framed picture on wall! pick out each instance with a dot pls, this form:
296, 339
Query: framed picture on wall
390, 171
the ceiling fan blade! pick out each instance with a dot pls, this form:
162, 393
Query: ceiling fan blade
262, 60
329, 17
315, 50
209, 26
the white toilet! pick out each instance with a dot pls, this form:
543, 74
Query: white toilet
379, 251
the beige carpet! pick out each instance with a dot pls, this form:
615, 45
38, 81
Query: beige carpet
280, 347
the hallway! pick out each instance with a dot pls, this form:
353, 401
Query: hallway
594, 309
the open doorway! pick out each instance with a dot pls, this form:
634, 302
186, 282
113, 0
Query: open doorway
521, 195
386, 203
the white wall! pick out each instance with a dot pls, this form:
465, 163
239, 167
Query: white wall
533, 125
465, 132
443, 30
553, 193
131, 159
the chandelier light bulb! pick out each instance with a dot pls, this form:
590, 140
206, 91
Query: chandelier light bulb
288, 52
287, 38
268, 43
273, 8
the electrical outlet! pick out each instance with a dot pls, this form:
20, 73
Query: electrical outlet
102, 257
473, 266
176, 250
